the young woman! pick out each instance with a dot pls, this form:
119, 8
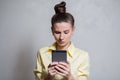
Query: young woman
77, 65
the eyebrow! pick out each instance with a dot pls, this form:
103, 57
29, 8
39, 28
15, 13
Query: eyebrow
66, 30
59, 31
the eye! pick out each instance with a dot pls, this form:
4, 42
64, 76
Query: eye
66, 32
57, 32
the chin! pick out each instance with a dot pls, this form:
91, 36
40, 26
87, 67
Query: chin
62, 45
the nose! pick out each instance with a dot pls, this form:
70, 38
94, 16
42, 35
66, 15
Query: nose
61, 36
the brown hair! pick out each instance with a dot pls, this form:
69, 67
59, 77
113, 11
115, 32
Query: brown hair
61, 15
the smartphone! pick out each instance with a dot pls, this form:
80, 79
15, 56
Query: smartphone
59, 55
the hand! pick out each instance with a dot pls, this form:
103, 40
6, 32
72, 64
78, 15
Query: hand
64, 70
51, 70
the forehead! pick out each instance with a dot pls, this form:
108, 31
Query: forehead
62, 26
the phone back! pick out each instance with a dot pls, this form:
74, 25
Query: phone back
59, 55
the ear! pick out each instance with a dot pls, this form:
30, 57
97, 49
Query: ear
52, 29
73, 30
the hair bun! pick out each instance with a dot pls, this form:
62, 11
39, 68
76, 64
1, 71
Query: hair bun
60, 8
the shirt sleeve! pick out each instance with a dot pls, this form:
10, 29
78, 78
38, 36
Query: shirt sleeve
39, 70
83, 69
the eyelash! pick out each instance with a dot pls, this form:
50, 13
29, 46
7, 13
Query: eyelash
64, 32
57, 32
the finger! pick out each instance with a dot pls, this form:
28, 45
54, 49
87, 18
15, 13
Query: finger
62, 74
64, 64
51, 68
61, 70
63, 67
52, 64
51, 71
68, 62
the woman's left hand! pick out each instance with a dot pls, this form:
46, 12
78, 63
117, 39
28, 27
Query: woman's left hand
63, 68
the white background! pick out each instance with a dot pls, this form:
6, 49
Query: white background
25, 27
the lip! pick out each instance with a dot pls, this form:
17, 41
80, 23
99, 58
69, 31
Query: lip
61, 42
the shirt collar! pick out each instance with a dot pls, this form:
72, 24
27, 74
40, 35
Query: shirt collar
70, 49
53, 46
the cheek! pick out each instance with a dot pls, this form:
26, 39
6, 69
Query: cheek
56, 36
68, 36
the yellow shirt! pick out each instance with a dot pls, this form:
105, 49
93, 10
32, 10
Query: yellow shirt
78, 59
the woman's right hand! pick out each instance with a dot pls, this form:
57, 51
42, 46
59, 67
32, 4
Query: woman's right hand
51, 70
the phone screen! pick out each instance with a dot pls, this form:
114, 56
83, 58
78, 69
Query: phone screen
59, 56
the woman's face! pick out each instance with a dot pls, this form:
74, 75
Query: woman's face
62, 33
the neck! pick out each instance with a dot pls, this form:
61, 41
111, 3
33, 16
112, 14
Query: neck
63, 47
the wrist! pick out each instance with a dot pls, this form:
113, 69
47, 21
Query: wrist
70, 77
49, 77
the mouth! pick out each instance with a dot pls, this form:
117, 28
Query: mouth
61, 42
